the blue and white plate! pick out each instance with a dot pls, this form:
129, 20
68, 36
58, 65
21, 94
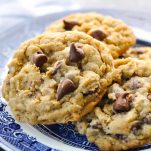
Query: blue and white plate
18, 136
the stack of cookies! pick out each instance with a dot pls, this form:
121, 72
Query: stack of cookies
83, 70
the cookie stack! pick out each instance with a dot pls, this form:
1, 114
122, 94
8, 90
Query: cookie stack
82, 70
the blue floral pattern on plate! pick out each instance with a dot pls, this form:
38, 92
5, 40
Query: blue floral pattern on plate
67, 134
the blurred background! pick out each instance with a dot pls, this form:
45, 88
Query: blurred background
18, 13
34, 6
14, 11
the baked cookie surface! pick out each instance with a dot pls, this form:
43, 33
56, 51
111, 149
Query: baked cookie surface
115, 33
123, 119
142, 58
142, 53
131, 66
57, 77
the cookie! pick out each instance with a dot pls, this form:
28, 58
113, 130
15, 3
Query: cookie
129, 66
142, 58
57, 77
115, 33
123, 118
142, 53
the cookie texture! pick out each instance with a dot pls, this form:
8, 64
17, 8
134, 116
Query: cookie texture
140, 58
57, 77
131, 66
115, 33
123, 118
142, 53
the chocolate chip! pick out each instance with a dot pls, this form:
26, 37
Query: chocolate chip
39, 59
98, 34
105, 100
79, 64
120, 136
68, 25
76, 52
89, 120
65, 87
135, 83
121, 104
96, 126
136, 127
149, 96
145, 120
57, 66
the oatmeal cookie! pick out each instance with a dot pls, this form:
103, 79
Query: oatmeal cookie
57, 77
115, 33
142, 53
122, 120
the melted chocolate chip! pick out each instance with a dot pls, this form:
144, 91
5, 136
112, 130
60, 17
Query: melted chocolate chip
57, 66
39, 59
79, 64
89, 120
137, 126
105, 100
149, 96
145, 121
121, 104
68, 25
120, 136
76, 52
96, 126
65, 87
98, 34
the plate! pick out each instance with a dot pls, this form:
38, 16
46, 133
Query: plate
20, 136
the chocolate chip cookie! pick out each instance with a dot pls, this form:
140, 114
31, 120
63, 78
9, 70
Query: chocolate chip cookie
142, 58
115, 33
57, 77
123, 118
129, 66
142, 53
